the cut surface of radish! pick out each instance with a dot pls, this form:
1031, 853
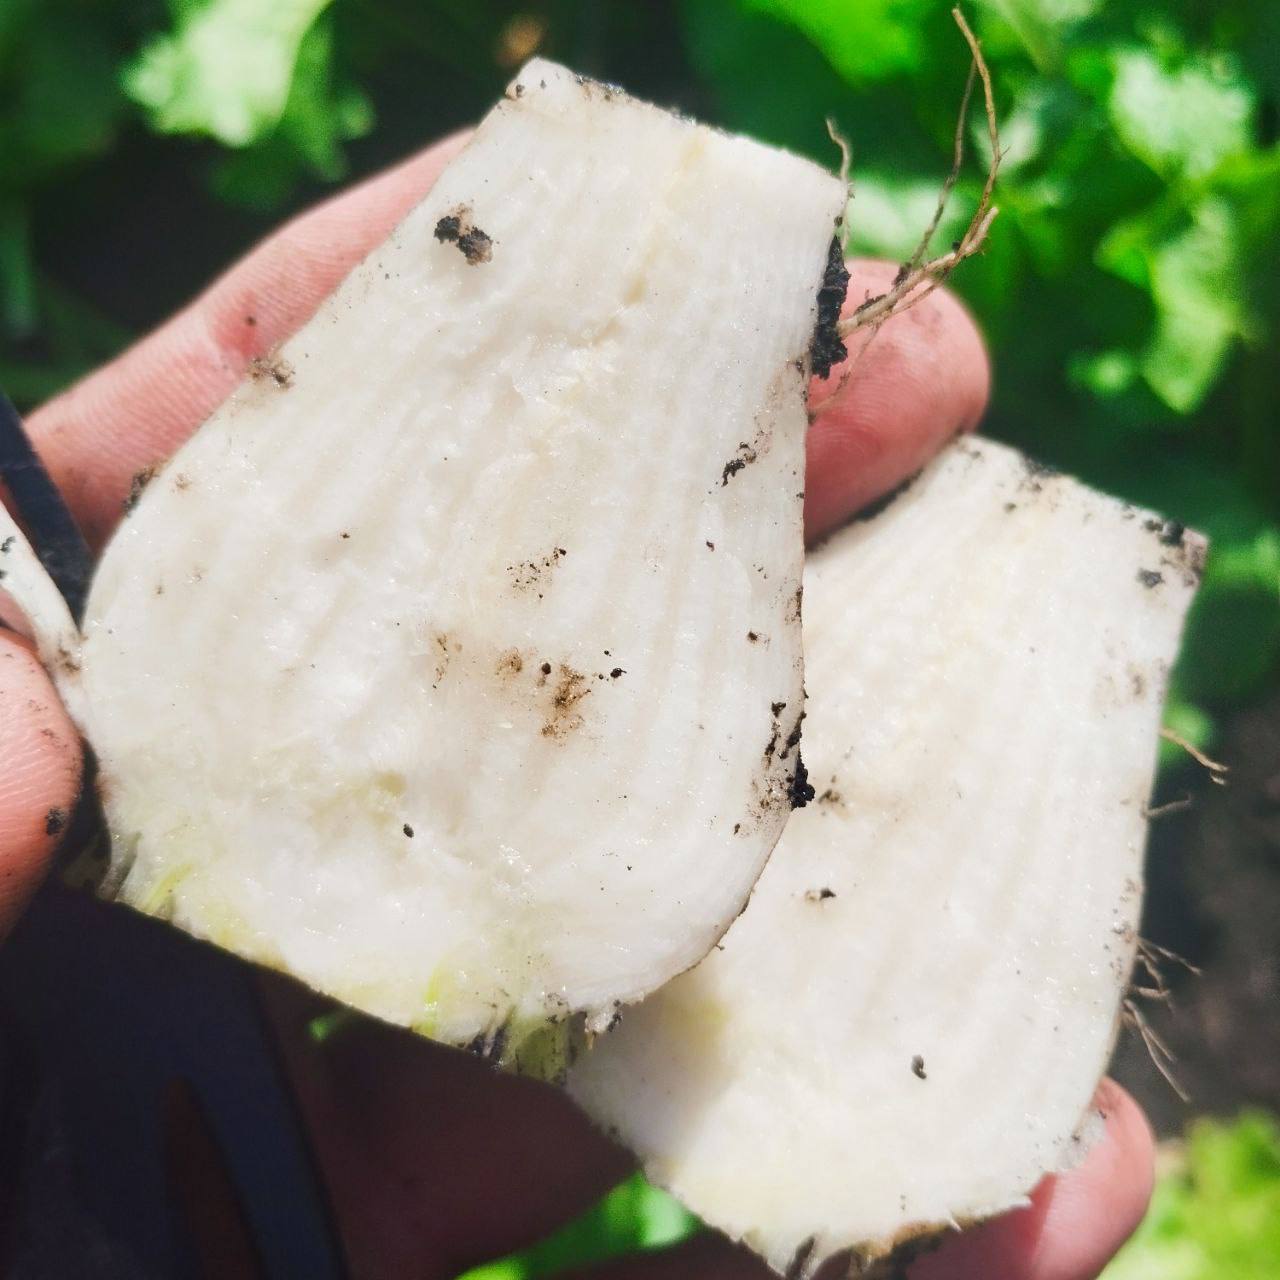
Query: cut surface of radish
40, 609
904, 1030
450, 667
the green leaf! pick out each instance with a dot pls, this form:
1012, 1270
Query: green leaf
1191, 723
867, 41
1233, 632
769, 81
1042, 26
1192, 266
1105, 373
1197, 286
59, 101
225, 71
318, 117
1183, 122
1252, 183
634, 1216
1232, 643
1215, 1214
888, 213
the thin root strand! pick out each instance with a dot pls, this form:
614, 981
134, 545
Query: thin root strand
1161, 1055
1181, 805
918, 278
846, 152
1216, 769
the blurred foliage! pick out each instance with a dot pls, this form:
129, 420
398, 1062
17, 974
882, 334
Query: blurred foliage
1130, 289
633, 1217
1216, 1214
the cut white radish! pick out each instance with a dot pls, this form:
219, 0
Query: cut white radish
904, 1030
452, 666
41, 610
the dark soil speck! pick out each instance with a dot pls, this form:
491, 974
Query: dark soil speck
271, 368
139, 482
800, 1260
801, 790
746, 456
826, 349
448, 229
457, 228
528, 575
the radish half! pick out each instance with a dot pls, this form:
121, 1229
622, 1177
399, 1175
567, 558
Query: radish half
454, 665
903, 1032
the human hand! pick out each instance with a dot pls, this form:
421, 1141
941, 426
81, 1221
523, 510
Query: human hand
433, 1162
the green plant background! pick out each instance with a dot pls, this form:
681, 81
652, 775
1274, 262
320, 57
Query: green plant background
1130, 290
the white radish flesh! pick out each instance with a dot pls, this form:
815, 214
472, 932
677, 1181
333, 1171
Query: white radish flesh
439, 668
30, 601
904, 1030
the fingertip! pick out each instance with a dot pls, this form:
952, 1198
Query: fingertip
1094, 1208
1076, 1221
923, 378
40, 771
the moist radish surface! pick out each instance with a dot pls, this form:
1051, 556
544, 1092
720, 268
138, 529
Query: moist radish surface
454, 665
904, 1030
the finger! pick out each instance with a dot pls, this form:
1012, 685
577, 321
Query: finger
435, 1161
135, 411
39, 774
923, 378
1077, 1220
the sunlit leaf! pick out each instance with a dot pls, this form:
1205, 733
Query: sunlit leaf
318, 117
1215, 1214
1192, 266
1197, 286
1180, 122
226, 69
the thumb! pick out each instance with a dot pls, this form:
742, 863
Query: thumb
40, 771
